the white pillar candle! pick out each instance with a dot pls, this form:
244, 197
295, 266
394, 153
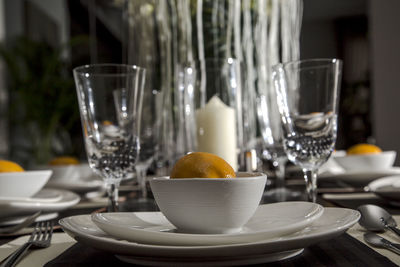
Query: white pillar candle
216, 130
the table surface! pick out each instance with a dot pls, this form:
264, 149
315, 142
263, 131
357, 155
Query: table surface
345, 250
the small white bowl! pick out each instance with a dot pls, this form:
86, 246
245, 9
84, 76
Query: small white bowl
71, 172
367, 162
209, 205
23, 184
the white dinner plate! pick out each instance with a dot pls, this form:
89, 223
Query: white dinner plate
44, 195
387, 188
21, 207
17, 220
269, 220
358, 178
76, 185
332, 223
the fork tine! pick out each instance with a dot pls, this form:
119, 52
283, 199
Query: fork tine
44, 231
51, 228
51, 231
47, 231
40, 232
34, 233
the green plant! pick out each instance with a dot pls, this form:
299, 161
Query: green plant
42, 96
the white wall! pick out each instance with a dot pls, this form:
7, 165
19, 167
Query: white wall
384, 19
57, 10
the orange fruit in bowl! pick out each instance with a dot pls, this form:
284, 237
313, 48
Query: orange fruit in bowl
65, 160
10, 166
202, 165
361, 149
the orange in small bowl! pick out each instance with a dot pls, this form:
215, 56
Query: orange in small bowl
202, 165
362, 149
10, 166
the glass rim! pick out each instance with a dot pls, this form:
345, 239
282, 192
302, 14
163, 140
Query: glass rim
323, 62
88, 68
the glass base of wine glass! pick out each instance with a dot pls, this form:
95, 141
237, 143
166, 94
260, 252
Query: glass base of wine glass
280, 195
139, 204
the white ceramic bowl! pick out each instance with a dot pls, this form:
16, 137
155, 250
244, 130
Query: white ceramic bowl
209, 206
367, 162
71, 172
23, 184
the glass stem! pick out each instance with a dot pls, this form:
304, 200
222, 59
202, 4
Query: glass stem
310, 176
141, 178
280, 173
112, 192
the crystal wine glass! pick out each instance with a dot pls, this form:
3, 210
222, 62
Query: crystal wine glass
149, 136
307, 97
110, 102
272, 137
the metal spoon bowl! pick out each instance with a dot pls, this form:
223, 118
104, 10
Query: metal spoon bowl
378, 241
375, 218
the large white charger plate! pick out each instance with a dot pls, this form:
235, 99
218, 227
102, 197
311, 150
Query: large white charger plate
332, 223
269, 220
18, 208
387, 188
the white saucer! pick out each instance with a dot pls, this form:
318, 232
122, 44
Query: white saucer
356, 177
211, 261
22, 208
269, 221
387, 188
77, 186
17, 220
332, 223
45, 195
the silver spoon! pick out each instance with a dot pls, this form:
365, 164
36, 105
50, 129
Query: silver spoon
378, 241
15, 228
374, 218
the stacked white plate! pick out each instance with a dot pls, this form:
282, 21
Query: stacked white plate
276, 232
48, 201
358, 170
387, 188
77, 178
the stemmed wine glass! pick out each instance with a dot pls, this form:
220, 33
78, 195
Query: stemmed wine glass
307, 96
149, 136
110, 102
272, 136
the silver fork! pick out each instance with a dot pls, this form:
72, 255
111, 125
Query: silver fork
40, 238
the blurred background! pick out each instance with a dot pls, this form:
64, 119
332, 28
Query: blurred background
42, 40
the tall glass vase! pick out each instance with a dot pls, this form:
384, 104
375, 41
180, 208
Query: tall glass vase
164, 34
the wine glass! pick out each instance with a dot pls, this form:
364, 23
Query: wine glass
272, 137
307, 96
149, 136
110, 102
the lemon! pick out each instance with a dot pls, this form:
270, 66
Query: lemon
202, 165
65, 160
9, 166
363, 149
